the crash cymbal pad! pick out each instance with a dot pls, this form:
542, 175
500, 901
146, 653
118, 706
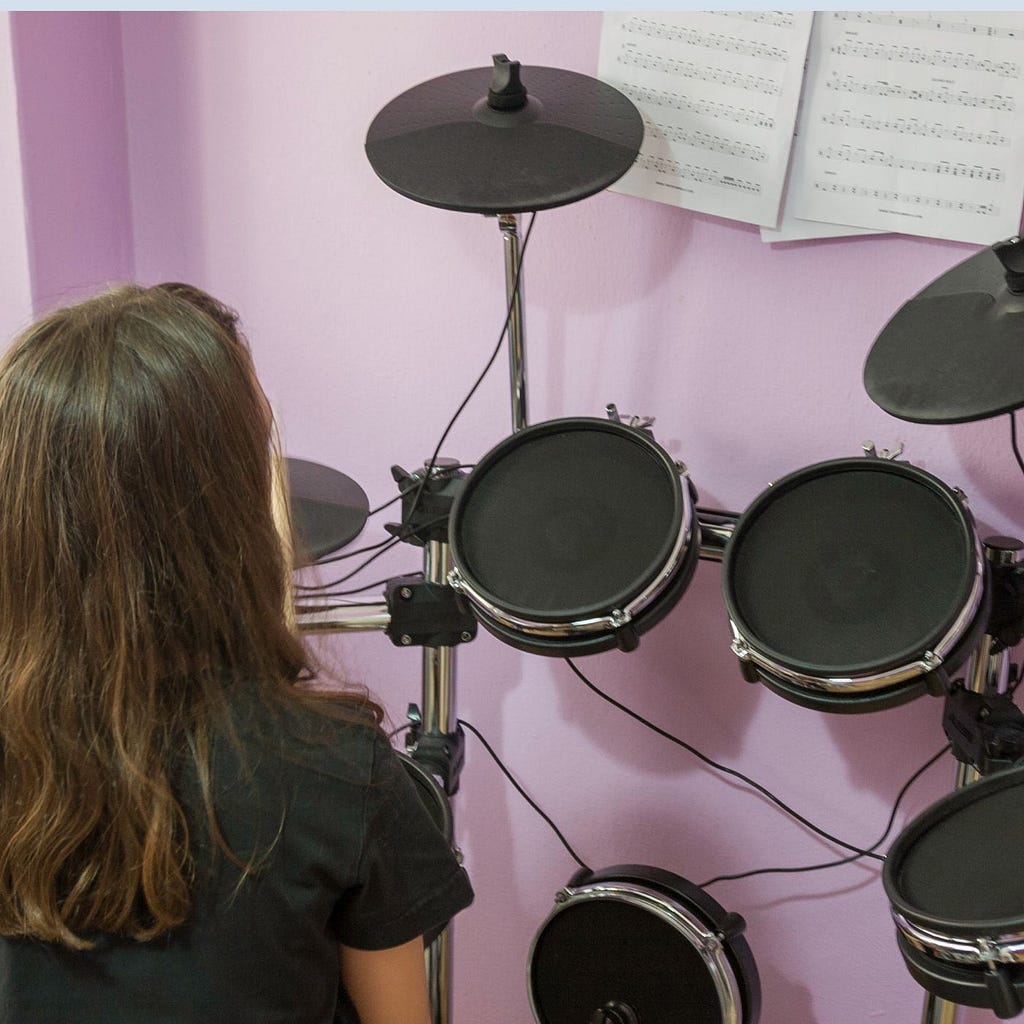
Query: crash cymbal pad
955, 352
505, 139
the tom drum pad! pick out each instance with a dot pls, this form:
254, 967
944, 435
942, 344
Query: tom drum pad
955, 886
573, 536
855, 585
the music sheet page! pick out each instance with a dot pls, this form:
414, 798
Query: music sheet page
718, 92
913, 122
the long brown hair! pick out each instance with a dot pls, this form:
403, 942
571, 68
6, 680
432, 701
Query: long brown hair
141, 576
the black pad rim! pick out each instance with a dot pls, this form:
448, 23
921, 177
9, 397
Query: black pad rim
472, 541
933, 828
739, 583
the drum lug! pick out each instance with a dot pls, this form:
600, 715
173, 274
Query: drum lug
1001, 990
931, 661
747, 667
869, 449
626, 637
455, 581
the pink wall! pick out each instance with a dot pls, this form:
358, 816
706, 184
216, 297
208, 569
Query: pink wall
370, 315
15, 284
73, 139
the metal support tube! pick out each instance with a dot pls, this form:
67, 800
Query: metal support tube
438, 719
373, 615
939, 1011
716, 528
438, 662
508, 222
438, 962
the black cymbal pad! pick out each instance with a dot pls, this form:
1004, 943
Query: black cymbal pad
328, 509
955, 352
442, 144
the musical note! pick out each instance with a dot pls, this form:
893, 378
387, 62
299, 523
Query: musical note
780, 19
909, 199
699, 72
908, 21
911, 126
893, 90
704, 40
878, 158
699, 139
720, 111
933, 58
706, 175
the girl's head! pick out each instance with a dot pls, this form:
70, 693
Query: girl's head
136, 488
142, 578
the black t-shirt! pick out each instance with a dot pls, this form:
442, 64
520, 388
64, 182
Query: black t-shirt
346, 853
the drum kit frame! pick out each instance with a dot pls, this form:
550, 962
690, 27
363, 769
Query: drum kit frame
978, 619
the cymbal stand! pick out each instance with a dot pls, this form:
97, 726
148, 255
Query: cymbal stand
509, 225
981, 721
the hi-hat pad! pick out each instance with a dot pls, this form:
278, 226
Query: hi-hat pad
328, 509
505, 139
955, 352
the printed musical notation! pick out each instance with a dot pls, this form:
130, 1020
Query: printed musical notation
662, 28
910, 123
912, 126
893, 90
933, 58
705, 140
910, 199
718, 92
970, 25
880, 158
666, 165
701, 72
697, 105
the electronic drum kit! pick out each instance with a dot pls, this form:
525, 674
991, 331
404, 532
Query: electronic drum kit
851, 586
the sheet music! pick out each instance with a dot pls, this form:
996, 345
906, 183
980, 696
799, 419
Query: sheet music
790, 228
718, 92
913, 123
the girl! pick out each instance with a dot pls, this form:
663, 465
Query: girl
187, 832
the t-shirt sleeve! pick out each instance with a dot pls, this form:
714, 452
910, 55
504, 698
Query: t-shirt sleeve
409, 880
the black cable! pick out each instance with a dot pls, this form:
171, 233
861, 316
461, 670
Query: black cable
720, 767
845, 860
483, 373
386, 545
339, 558
1013, 441
377, 584
381, 549
522, 792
